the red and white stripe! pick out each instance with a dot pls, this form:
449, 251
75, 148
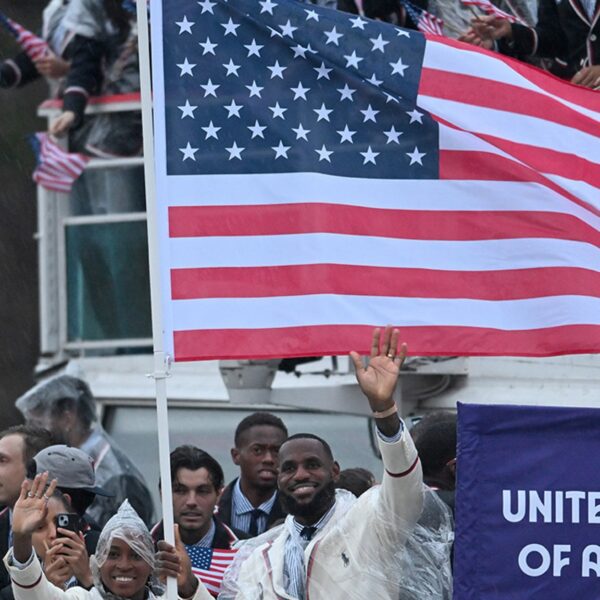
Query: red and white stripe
492, 9
57, 169
499, 256
34, 46
213, 577
429, 23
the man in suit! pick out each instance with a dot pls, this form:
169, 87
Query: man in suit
334, 545
18, 445
197, 480
250, 503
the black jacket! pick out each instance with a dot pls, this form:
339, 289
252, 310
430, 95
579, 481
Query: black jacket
84, 77
4, 531
277, 512
563, 31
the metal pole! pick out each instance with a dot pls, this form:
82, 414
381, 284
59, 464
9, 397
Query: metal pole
161, 360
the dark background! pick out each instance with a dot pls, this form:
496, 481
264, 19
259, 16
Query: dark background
18, 251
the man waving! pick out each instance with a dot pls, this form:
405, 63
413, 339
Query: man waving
334, 545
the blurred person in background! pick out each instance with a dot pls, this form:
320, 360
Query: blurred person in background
109, 55
65, 405
569, 31
251, 502
356, 480
435, 439
389, 11
92, 51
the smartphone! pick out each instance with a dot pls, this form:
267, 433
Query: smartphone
69, 521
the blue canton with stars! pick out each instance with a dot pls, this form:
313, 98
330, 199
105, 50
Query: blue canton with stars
200, 557
265, 86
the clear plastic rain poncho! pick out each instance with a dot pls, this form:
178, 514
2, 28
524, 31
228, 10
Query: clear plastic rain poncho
115, 472
394, 562
126, 526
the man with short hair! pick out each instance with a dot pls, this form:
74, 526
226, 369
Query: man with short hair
65, 405
250, 503
197, 481
335, 545
18, 445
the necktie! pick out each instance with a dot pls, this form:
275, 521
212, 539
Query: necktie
307, 533
254, 516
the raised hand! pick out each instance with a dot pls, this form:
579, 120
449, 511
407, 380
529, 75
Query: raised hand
32, 506
378, 380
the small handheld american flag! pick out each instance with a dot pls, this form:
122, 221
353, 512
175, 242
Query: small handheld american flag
492, 9
56, 169
34, 46
424, 20
209, 565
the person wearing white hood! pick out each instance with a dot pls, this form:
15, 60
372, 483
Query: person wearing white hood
125, 566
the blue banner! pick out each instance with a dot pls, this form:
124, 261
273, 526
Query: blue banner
527, 504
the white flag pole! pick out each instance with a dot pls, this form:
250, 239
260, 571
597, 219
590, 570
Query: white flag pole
161, 360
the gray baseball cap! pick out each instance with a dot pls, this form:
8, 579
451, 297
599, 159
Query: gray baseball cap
71, 467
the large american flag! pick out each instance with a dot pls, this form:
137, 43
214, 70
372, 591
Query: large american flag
319, 173
34, 46
209, 565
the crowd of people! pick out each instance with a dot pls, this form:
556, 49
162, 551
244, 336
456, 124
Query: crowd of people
77, 516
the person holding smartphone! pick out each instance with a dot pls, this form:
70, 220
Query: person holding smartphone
125, 565
62, 549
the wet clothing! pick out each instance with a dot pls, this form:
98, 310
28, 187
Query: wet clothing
116, 474
352, 554
30, 583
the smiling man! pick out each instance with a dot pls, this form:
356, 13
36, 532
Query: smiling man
333, 545
251, 502
197, 481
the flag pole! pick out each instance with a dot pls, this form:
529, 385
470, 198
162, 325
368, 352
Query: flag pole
161, 360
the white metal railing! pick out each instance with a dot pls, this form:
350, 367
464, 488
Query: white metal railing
53, 221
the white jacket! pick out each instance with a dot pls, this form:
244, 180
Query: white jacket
30, 583
355, 555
